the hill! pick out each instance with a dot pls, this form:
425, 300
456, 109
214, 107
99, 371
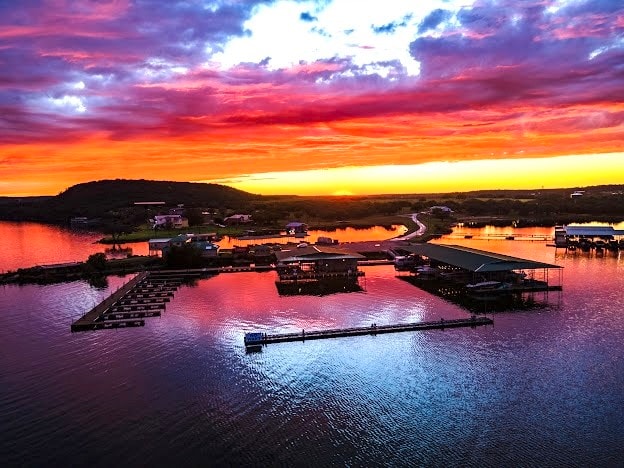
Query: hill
107, 198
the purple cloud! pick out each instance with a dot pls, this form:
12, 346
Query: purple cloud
433, 19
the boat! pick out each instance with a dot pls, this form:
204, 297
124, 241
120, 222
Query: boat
487, 286
405, 263
427, 272
254, 341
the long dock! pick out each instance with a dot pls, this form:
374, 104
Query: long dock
258, 339
143, 296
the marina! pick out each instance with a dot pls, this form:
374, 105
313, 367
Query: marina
450, 271
560, 358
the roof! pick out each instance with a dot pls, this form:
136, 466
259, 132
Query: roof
475, 260
592, 231
295, 224
315, 252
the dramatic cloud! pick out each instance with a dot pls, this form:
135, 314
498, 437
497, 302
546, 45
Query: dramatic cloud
203, 90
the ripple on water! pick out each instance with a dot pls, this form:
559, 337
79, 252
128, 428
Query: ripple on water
540, 387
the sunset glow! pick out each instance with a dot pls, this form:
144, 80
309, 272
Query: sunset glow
312, 97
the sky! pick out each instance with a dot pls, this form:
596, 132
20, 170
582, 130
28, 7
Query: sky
312, 97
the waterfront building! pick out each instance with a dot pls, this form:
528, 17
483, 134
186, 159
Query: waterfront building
295, 227
315, 261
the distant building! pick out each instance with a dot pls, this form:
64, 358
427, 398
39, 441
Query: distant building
238, 219
317, 260
179, 210
577, 194
442, 208
296, 227
169, 221
262, 254
207, 249
157, 245
316, 269
199, 241
149, 203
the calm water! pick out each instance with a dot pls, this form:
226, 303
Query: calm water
347, 234
29, 244
540, 388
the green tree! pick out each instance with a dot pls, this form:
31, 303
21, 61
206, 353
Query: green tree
185, 256
116, 229
97, 262
194, 216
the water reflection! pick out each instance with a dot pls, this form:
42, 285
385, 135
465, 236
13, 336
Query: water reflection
30, 244
348, 234
318, 288
537, 389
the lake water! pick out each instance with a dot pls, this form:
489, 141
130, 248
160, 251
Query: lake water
346, 234
30, 244
541, 387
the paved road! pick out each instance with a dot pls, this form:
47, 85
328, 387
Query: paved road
421, 230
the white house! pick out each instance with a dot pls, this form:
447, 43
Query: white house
175, 221
442, 208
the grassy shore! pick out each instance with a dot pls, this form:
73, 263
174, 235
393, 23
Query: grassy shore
145, 233
436, 227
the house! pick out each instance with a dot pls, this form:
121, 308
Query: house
180, 240
157, 245
200, 241
238, 219
442, 208
207, 248
577, 194
296, 227
169, 221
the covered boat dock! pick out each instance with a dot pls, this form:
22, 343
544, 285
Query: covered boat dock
588, 237
482, 272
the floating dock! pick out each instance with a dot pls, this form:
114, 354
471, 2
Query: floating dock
257, 339
143, 296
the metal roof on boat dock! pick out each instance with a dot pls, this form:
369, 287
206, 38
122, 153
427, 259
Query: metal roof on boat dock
592, 231
475, 260
315, 252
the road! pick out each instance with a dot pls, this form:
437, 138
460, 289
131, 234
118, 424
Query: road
421, 230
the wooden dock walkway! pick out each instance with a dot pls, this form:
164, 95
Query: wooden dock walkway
145, 295
258, 339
